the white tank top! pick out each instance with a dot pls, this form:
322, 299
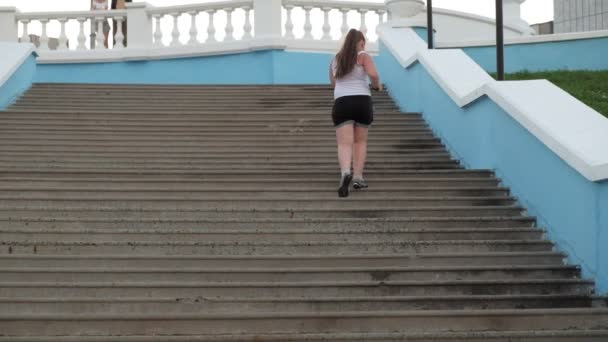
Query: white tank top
355, 83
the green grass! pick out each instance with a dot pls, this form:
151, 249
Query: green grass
590, 87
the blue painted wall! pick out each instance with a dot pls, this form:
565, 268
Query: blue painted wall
261, 67
582, 54
483, 136
18, 83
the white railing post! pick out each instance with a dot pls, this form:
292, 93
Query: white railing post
229, 25
363, 27
44, 38
344, 28
25, 37
8, 24
175, 32
119, 35
139, 25
289, 23
193, 29
158, 34
267, 19
63, 38
81, 36
211, 27
326, 25
307, 23
247, 27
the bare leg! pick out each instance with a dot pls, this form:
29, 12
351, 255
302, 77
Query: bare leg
360, 151
345, 139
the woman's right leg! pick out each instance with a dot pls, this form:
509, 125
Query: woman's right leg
345, 136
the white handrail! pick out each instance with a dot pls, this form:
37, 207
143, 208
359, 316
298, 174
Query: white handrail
220, 5
70, 15
370, 6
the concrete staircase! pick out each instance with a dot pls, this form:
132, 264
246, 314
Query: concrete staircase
210, 213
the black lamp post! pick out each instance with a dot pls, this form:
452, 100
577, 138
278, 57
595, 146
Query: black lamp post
429, 20
500, 42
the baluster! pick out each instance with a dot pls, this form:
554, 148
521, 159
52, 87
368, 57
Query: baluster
381, 13
211, 27
247, 28
308, 24
100, 38
25, 37
81, 37
363, 27
120, 37
344, 27
63, 38
193, 30
326, 26
175, 31
289, 23
158, 34
229, 26
44, 38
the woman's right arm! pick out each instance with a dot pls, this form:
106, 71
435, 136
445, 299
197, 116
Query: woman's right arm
332, 78
370, 69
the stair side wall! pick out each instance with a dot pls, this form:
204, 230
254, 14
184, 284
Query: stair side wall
483, 136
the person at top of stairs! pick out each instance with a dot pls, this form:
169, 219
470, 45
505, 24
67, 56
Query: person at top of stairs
353, 112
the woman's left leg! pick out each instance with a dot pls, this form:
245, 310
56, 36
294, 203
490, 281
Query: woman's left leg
359, 151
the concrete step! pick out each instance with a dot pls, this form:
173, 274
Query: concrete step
201, 305
169, 247
252, 117
66, 218
249, 191
286, 196
286, 146
232, 114
177, 262
298, 274
260, 175
352, 207
181, 211
202, 135
78, 167
219, 160
437, 151
474, 336
305, 289
312, 187
342, 322
28, 232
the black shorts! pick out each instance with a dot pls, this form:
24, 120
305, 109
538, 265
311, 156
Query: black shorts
357, 109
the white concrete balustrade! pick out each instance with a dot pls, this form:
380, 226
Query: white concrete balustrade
88, 22
197, 26
367, 15
319, 24
231, 26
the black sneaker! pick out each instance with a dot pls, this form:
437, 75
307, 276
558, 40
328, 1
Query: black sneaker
359, 184
344, 184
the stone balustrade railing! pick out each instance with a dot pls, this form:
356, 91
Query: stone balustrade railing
363, 10
99, 21
239, 25
193, 11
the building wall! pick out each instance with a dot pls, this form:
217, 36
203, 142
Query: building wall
580, 15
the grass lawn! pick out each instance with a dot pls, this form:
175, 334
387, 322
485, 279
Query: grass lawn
591, 87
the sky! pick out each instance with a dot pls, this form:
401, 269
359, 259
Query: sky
533, 11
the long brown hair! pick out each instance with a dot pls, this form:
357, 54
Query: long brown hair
346, 59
